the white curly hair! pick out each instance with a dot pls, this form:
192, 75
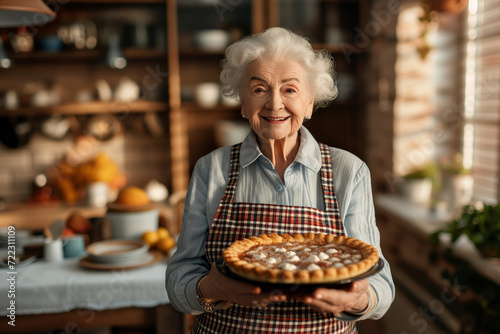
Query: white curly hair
279, 43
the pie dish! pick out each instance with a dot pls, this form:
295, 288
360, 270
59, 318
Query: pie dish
337, 284
301, 258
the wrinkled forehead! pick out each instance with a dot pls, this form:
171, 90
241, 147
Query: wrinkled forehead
275, 69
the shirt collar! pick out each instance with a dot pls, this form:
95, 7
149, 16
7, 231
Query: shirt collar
309, 153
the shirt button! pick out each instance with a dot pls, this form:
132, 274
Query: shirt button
279, 187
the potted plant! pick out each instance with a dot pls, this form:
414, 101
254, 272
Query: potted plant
481, 296
446, 6
481, 224
431, 11
457, 183
418, 183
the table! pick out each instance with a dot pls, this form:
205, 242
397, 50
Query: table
65, 296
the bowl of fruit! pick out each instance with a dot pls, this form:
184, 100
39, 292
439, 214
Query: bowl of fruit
160, 240
132, 214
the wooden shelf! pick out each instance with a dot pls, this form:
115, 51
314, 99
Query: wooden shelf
94, 107
193, 107
118, 2
90, 55
194, 52
211, 4
340, 48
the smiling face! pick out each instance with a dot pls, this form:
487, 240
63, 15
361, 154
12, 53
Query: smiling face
276, 98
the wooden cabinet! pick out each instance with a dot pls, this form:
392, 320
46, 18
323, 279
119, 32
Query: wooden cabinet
336, 26
205, 29
63, 67
68, 56
332, 25
160, 41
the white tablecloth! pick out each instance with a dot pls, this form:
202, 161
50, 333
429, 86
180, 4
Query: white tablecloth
43, 287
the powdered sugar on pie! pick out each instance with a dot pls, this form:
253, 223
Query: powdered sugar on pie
301, 258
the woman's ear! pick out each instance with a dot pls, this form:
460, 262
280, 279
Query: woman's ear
309, 109
243, 113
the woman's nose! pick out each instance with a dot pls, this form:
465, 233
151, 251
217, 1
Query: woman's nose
275, 101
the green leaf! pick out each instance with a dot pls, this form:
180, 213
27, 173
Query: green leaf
477, 238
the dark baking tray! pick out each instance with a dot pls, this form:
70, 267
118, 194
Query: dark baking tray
222, 267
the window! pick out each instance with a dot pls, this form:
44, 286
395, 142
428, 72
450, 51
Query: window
413, 108
428, 105
481, 135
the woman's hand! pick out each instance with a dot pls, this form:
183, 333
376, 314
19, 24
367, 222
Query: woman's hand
351, 299
216, 286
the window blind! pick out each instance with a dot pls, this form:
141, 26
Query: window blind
481, 142
428, 104
413, 145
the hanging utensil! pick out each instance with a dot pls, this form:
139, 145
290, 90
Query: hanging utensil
154, 125
56, 127
16, 131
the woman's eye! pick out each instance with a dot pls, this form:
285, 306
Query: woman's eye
290, 90
258, 90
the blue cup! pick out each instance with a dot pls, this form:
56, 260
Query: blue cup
74, 246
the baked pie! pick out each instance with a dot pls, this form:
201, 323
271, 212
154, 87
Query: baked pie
301, 258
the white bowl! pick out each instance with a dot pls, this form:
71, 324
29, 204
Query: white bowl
207, 94
131, 225
117, 251
228, 132
214, 40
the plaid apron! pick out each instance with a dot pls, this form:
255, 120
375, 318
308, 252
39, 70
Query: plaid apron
234, 221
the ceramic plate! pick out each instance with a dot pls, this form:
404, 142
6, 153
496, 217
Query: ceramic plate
151, 258
117, 251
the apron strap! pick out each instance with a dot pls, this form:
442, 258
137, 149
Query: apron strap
234, 172
327, 180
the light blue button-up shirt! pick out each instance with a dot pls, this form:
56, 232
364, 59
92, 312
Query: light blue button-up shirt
260, 183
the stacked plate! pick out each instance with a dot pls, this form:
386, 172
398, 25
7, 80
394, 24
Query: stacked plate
118, 252
4, 238
16, 238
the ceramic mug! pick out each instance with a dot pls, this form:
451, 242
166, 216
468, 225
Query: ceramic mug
97, 194
207, 94
11, 100
52, 250
127, 90
73, 246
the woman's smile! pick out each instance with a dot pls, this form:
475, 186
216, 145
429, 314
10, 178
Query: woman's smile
276, 98
276, 120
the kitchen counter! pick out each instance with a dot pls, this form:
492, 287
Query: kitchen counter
421, 222
36, 216
405, 228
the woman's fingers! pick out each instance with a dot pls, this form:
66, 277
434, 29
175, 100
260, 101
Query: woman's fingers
351, 298
217, 286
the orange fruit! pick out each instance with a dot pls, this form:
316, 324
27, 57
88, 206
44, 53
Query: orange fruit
67, 232
163, 233
78, 223
165, 245
150, 237
132, 196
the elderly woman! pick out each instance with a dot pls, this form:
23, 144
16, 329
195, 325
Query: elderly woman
283, 172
